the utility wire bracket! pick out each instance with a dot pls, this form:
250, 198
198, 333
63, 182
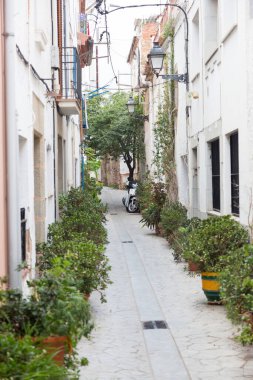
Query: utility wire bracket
177, 77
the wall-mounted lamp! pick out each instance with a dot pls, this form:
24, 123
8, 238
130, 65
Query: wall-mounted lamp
131, 105
156, 57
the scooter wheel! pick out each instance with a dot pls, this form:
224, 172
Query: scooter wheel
132, 206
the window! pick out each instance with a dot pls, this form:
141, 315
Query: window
215, 159
234, 161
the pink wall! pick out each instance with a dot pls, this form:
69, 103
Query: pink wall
3, 201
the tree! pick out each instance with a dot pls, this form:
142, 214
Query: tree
113, 131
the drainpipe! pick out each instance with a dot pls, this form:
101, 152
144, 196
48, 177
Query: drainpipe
14, 231
53, 115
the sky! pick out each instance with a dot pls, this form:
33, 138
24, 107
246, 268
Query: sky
121, 28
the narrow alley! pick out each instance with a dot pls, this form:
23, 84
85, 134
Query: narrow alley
196, 341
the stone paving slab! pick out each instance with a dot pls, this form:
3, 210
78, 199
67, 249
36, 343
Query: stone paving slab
199, 343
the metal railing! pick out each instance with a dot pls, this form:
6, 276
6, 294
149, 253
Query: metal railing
71, 76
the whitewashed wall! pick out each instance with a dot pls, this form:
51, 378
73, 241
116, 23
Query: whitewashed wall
33, 37
220, 99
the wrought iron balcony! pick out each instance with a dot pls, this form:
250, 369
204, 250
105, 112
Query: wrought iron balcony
70, 96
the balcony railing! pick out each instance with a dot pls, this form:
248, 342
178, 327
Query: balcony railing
71, 74
70, 96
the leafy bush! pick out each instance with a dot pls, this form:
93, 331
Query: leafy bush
20, 359
178, 239
144, 193
211, 242
153, 199
173, 216
237, 290
151, 216
54, 307
83, 212
79, 237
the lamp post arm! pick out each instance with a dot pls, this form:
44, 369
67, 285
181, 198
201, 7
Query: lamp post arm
106, 12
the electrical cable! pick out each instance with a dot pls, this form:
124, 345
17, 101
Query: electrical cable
107, 39
35, 73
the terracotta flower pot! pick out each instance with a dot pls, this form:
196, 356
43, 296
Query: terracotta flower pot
193, 267
58, 346
86, 296
211, 286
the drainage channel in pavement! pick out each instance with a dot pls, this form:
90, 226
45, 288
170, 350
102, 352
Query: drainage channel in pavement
164, 356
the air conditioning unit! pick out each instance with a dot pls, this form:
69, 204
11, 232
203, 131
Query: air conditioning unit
55, 62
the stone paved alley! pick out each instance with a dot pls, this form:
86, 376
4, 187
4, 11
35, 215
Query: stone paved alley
149, 286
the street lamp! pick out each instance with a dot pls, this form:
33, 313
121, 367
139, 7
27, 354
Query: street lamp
184, 78
156, 57
131, 106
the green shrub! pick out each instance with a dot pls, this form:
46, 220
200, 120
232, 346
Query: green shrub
80, 237
211, 242
151, 216
82, 212
237, 290
144, 193
173, 216
178, 239
153, 200
20, 359
55, 307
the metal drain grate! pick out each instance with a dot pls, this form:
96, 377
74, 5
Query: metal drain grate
148, 325
127, 242
113, 213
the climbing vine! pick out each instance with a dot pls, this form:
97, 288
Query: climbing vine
164, 132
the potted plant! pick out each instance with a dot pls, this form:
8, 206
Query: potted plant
55, 313
21, 359
237, 290
208, 245
173, 223
151, 214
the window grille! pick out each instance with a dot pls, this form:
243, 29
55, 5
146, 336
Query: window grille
234, 161
23, 233
215, 157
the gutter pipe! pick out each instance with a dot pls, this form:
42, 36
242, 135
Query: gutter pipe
14, 231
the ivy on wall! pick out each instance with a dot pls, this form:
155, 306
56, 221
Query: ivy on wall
164, 133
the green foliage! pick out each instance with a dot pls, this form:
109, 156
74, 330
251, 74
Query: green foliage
246, 336
55, 307
164, 132
155, 199
213, 239
144, 193
168, 30
151, 216
114, 131
237, 290
20, 359
79, 238
93, 163
173, 216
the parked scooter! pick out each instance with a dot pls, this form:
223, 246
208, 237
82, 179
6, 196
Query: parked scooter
130, 200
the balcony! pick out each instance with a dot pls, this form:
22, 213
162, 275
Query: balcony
70, 97
85, 42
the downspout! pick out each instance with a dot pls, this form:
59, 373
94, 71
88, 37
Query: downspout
65, 52
14, 232
54, 150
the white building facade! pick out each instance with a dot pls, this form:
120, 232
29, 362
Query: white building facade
45, 112
215, 142
213, 114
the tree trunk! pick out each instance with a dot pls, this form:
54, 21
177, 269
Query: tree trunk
131, 173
